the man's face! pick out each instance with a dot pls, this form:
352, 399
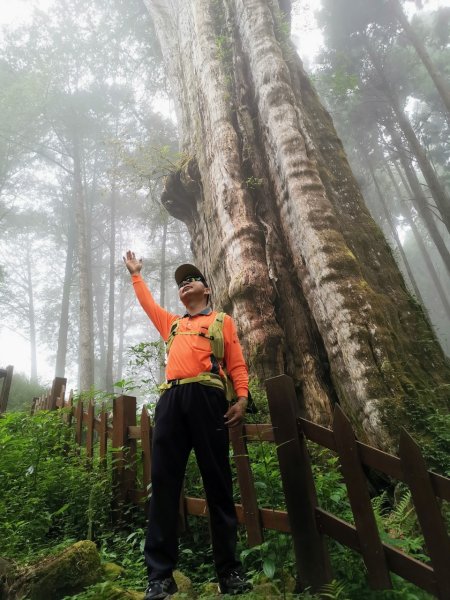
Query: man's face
193, 288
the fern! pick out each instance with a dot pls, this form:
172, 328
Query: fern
335, 590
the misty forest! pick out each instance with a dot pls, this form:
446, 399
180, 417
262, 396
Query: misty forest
297, 152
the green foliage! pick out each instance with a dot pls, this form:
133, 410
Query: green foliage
253, 183
330, 486
428, 424
398, 525
224, 50
47, 495
119, 547
150, 163
282, 30
22, 391
339, 83
260, 400
335, 590
146, 361
49, 499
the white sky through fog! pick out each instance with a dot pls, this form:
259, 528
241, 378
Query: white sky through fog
13, 348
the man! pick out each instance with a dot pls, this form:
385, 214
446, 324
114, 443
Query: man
192, 414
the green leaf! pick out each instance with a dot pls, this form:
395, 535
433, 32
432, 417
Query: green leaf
269, 568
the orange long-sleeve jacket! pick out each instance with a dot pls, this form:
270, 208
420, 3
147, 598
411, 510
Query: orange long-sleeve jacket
191, 354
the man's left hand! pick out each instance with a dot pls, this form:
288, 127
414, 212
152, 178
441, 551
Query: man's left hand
236, 412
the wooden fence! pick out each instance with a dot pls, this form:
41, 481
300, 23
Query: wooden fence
6, 375
308, 524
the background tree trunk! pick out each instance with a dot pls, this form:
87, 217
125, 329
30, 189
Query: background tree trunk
111, 295
436, 188
393, 229
86, 334
420, 202
438, 80
31, 315
63, 329
279, 226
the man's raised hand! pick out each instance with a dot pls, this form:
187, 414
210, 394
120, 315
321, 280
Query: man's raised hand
133, 265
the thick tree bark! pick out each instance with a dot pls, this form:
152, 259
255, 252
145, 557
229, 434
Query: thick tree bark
278, 223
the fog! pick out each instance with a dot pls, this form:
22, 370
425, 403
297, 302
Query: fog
88, 133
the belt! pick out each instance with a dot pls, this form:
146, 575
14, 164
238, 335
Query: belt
204, 378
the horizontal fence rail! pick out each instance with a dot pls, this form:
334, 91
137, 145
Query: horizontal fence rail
304, 520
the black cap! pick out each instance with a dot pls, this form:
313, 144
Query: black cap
187, 270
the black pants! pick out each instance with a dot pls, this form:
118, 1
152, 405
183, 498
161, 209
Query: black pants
190, 416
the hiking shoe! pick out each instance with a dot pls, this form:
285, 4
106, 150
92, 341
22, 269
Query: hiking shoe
234, 583
158, 589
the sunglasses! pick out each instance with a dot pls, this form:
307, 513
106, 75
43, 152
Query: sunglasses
189, 280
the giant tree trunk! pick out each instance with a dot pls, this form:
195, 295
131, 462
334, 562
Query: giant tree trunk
278, 223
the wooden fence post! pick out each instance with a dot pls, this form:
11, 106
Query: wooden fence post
79, 422
6, 374
427, 509
124, 458
312, 560
247, 487
146, 446
358, 493
103, 435
90, 431
58, 384
70, 412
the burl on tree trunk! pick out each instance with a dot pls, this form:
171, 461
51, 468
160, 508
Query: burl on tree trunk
279, 226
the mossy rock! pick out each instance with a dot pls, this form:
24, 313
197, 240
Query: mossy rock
185, 588
117, 593
65, 574
111, 571
112, 592
209, 590
265, 590
7, 571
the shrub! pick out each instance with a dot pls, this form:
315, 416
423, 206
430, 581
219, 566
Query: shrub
47, 495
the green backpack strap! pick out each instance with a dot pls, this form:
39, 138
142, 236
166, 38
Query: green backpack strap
216, 338
172, 333
215, 332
